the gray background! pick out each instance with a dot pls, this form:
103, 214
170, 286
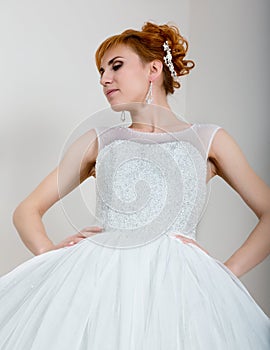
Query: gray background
49, 84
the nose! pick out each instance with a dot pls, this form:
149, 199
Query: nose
106, 78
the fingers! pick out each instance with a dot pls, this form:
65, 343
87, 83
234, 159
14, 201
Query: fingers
92, 228
68, 242
74, 242
74, 239
89, 231
187, 240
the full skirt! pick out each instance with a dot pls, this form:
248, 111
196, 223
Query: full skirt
165, 295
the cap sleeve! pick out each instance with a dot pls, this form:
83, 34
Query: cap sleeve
103, 136
206, 134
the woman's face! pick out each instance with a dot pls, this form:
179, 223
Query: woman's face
125, 79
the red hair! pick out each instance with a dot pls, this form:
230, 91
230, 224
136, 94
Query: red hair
148, 45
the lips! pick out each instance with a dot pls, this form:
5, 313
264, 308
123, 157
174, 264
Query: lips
110, 92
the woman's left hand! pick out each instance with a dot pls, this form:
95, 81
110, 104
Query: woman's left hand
187, 240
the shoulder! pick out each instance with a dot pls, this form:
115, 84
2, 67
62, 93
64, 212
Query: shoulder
227, 157
221, 148
222, 144
218, 138
232, 165
206, 129
206, 132
85, 147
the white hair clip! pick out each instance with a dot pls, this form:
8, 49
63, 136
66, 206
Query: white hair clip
168, 59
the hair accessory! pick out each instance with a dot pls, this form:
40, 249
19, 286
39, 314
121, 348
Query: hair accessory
149, 96
168, 59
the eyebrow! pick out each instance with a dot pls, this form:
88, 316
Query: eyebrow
110, 62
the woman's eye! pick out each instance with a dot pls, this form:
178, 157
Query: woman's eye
117, 66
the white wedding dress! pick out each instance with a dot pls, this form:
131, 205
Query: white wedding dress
135, 286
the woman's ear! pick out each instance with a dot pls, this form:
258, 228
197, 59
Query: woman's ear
156, 68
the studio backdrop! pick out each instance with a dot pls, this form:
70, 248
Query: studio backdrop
50, 88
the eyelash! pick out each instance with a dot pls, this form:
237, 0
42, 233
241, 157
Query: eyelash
115, 68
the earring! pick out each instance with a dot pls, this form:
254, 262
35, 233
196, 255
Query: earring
149, 96
123, 116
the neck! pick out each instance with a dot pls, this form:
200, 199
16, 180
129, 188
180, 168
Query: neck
153, 118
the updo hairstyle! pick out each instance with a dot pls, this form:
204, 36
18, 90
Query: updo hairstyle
148, 45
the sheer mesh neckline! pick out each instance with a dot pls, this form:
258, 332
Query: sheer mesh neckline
158, 133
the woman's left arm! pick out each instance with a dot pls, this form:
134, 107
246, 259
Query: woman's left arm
231, 164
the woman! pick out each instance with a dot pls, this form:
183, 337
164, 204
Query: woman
157, 288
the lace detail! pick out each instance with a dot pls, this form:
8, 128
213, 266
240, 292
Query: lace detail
151, 183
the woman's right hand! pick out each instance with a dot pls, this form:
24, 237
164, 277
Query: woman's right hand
74, 239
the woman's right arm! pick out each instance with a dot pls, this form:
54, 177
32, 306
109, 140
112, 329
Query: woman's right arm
76, 166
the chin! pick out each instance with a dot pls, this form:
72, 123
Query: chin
128, 106
118, 107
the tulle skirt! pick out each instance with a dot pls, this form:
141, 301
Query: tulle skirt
165, 295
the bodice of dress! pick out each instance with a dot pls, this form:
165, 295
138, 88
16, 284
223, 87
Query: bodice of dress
148, 184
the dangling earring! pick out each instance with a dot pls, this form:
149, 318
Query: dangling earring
149, 96
123, 116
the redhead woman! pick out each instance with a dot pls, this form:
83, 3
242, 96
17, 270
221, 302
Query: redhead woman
139, 279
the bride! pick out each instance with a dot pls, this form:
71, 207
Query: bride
165, 291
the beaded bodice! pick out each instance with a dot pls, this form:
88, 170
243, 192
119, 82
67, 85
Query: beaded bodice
149, 184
